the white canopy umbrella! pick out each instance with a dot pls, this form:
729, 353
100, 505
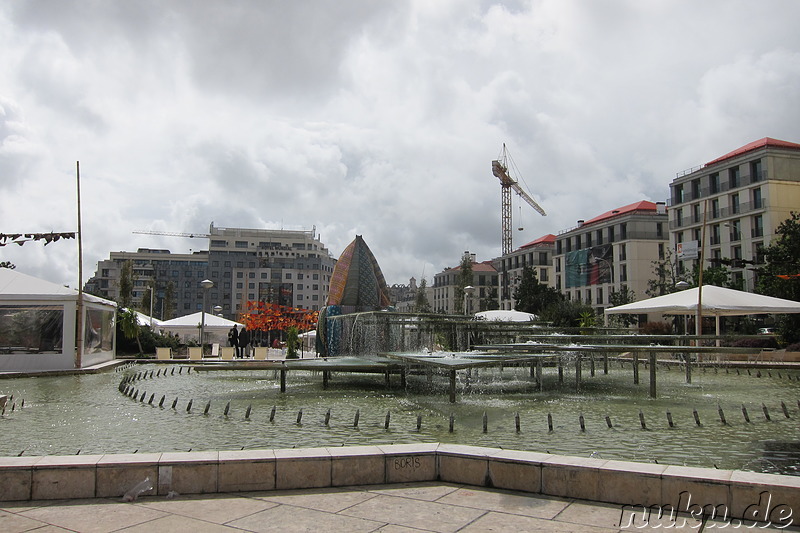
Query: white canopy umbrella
717, 301
188, 327
499, 315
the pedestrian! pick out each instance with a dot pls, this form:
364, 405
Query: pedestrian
244, 341
233, 340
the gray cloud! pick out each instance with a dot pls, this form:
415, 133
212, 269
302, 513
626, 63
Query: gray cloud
370, 118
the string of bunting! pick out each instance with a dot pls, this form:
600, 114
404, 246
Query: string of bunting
22, 238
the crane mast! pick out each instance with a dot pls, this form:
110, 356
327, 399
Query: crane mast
507, 184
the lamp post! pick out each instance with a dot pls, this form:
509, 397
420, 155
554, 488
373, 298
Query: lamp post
218, 310
205, 284
683, 285
468, 290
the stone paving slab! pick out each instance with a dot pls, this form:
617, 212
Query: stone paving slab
396, 508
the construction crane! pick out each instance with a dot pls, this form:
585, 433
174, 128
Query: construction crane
173, 234
507, 183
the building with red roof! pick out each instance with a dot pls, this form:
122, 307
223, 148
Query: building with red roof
447, 297
610, 252
741, 198
537, 254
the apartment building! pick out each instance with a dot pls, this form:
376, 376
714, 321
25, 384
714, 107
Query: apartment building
741, 198
537, 254
287, 267
611, 252
485, 280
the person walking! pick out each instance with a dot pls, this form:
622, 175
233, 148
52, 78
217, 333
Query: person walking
244, 342
233, 340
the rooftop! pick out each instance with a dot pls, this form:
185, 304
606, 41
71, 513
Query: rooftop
544, 240
766, 142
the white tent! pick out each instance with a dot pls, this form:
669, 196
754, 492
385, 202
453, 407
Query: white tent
499, 315
38, 322
145, 320
717, 302
187, 327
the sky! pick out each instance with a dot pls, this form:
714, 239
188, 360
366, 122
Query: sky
378, 119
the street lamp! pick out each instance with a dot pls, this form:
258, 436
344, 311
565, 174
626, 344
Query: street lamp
683, 285
218, 310
468, 290
205, 284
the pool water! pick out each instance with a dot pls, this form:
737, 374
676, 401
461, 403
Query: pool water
88, 414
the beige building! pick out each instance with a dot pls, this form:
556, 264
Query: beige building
743, 196
485, 279
536, 254
611, 252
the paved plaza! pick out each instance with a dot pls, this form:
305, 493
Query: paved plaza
397, 508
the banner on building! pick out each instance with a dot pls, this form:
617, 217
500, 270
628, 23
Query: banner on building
590, 266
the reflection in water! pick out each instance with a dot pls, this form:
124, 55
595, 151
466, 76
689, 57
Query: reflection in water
88, 413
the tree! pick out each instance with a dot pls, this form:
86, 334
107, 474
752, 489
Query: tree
665, 272
7, 264
125, 283
622, 297
169, 301
129, 325
421, 303
531, 296
778, 276
147, 298
489, 302
292, 341
464, 280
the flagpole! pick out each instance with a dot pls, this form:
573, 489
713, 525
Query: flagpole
79, 335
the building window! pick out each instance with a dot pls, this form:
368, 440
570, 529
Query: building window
757, 203
588, 240
623, 272
758, 226
715, 234
659, 230
715, 208
240, 285
611, 234
558, 264
714, 182
733, 177
599, 236
677, 194
623, 252
623, 231
679, 217
661, 250
695, 189
696, 213
240, 275
543, 275
241, 244
736, 230
756, 172
600, 295
734, 202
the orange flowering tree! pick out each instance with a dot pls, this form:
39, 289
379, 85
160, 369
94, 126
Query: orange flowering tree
265, 316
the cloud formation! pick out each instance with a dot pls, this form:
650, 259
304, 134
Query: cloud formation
371, 118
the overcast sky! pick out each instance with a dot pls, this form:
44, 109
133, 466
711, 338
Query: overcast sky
377, 118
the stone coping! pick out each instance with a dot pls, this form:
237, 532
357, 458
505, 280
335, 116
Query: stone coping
728, 493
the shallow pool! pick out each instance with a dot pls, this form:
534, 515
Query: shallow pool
88, 414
